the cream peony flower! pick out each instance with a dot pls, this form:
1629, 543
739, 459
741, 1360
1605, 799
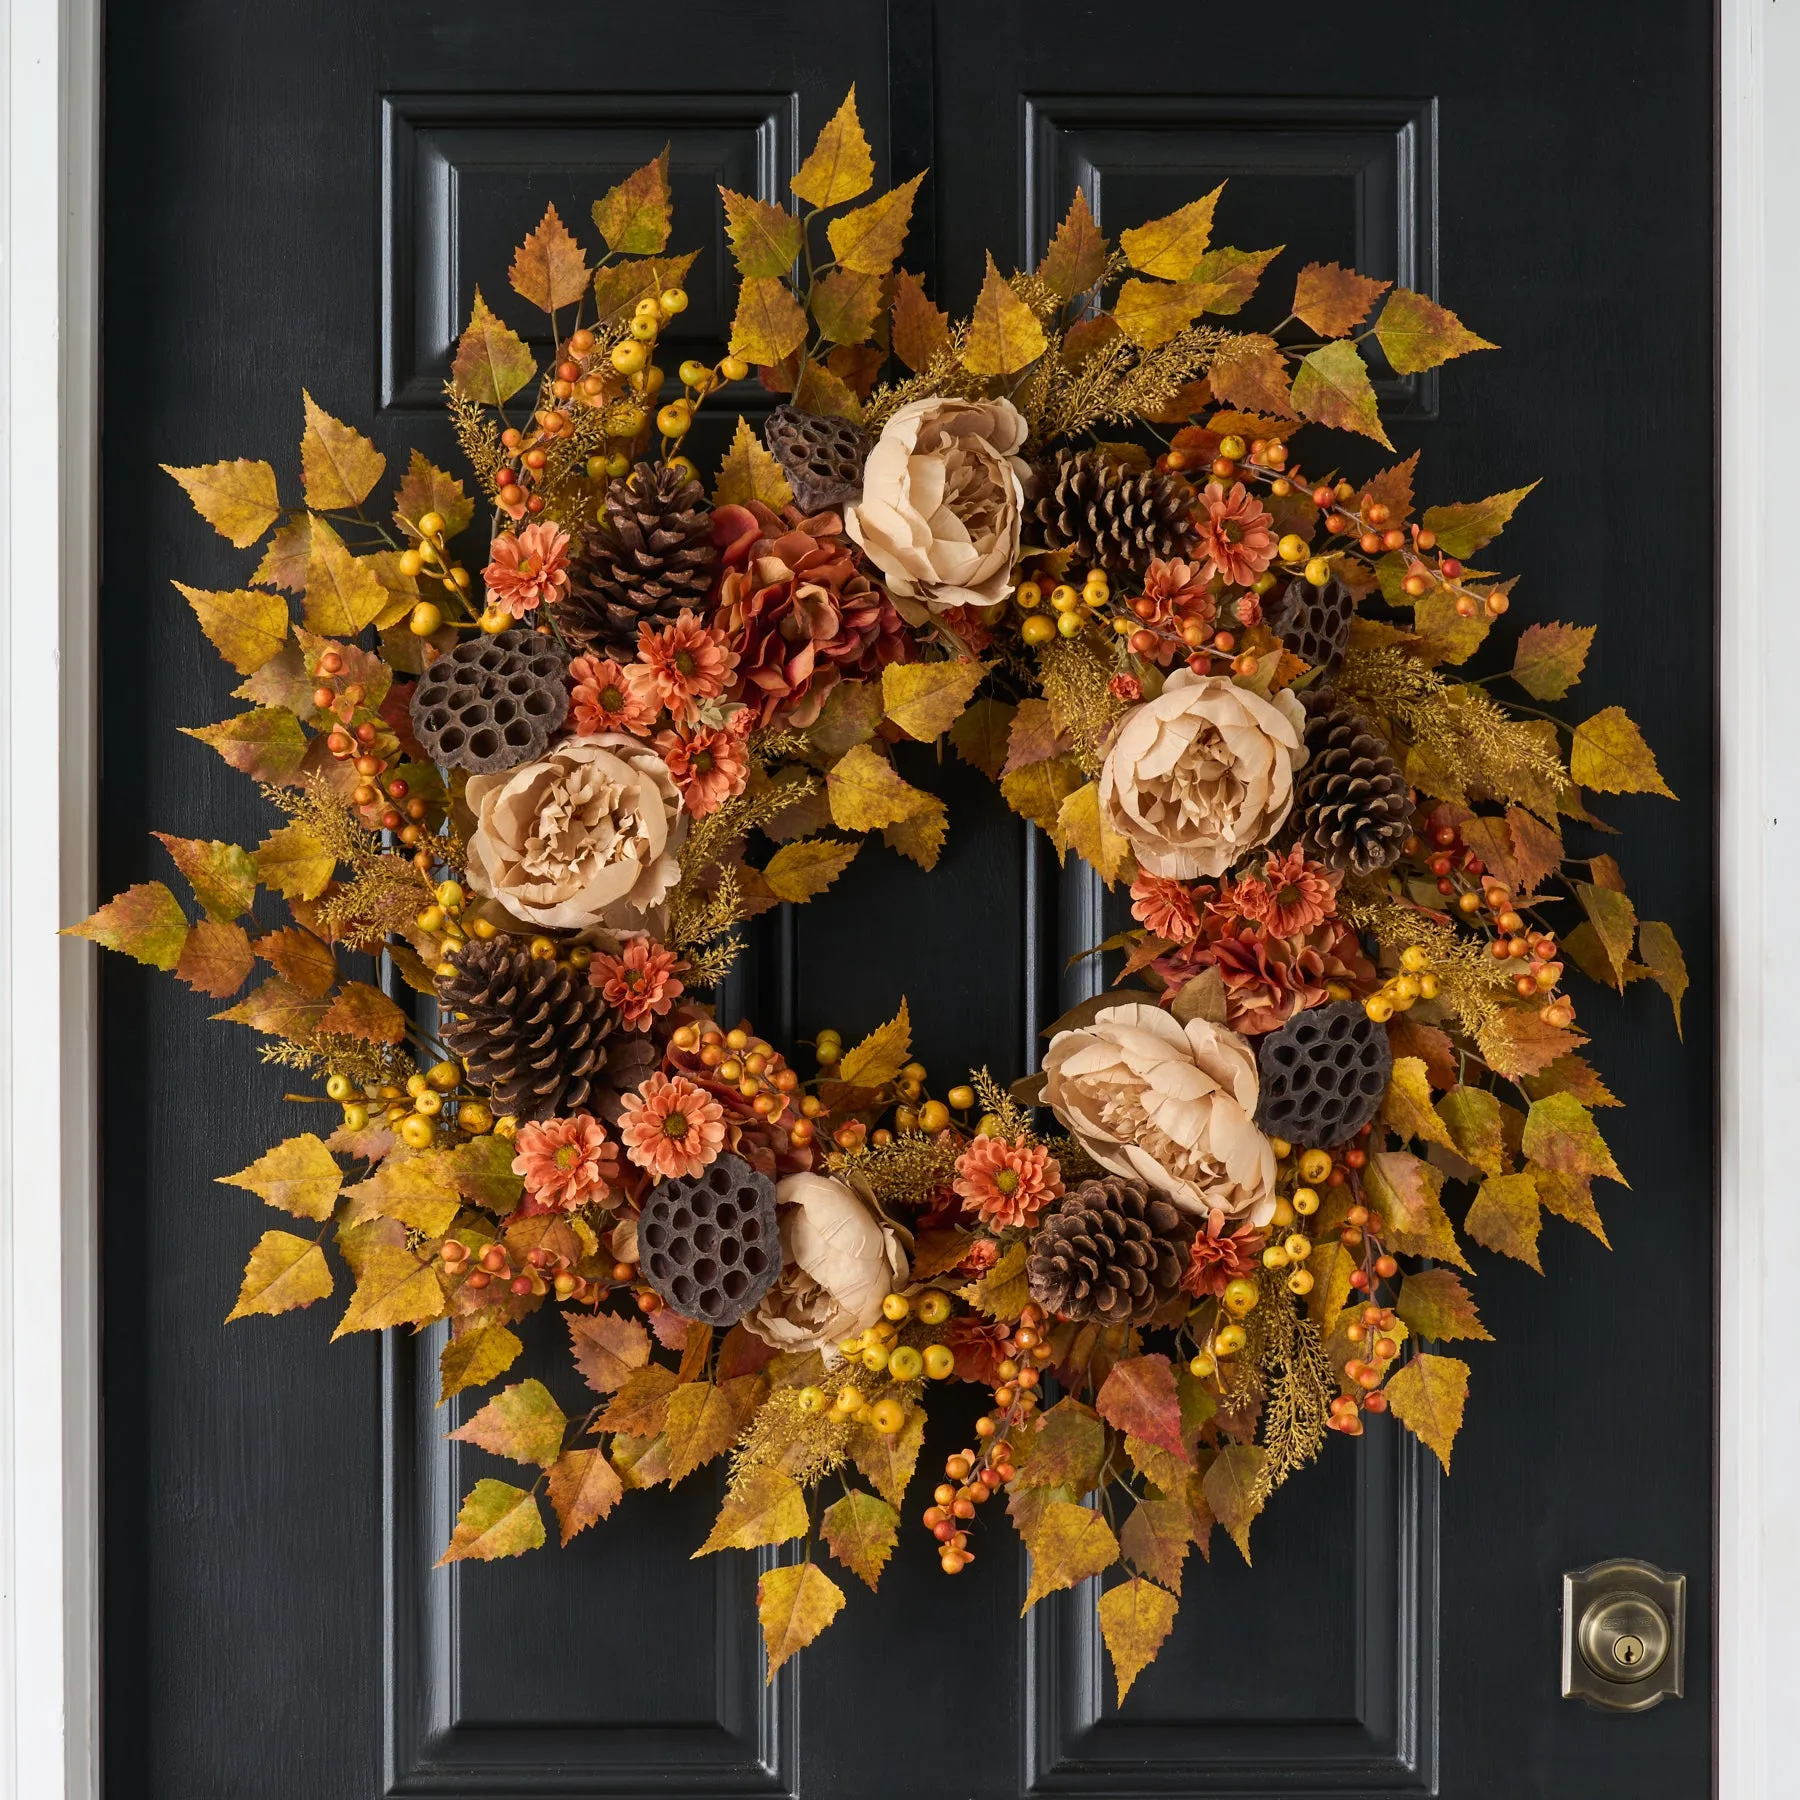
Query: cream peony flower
1203, 774
839, 1262
586, 836
1168, 1103
942, 493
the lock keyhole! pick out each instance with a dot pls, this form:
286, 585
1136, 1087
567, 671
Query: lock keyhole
1628, 1652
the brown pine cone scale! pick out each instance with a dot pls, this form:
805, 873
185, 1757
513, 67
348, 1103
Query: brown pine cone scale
533, 1033
1111, 514
1111, 1251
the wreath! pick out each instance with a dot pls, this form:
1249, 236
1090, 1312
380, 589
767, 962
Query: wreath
533, 773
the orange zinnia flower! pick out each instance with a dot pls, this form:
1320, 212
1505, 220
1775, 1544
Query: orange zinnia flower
671, 1127
565, 1162
527, 568
683, 663
641, 981
1007, 1184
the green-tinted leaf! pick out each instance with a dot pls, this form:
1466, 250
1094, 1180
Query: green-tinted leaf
145, 922
497, 1519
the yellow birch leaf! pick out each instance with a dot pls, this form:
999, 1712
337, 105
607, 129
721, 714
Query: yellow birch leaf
1610, 756
1235, 1488
840, 165
1473, 1118
1549, 658
1561, 1134
300, 1176
1069, 1544
491, 362
410, 1189
634, 217
703, 1422
820, 389
343, 593
881, 1055
1668, 967
1334, 300
245, 627
284, 1272
642, 1402
982, 733
222, 876
762, 1506
1076, 258
1332, 385
392, 1288
1082, 827
1157, 1537
846, 306
1505, 1217
1569, 1197
1405, 1190
795, 1603
920, 330
1466, 527
1226, 278
145, 922
1330, 1266
1152, 312
796, 872
583, 1487
496, 1520
1416, 333
293, 862
1003, 1292
1435, 1304
1038, 791
1407, 1104
769, 324
1004, 335
524, 1423
926, 698
1135, 1618
237, 499
765, 239
862, 1530
866, 793
1427, 1397
749, 472
888, 1460
920, 835
618, 287
475, 1358
548, 269
267, 744
338, 465
426, 488
1614, 920
1172, 245
868, 240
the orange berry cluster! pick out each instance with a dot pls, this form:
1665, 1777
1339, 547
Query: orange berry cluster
537, 1273
737, 1063
1367, 1376
360, 736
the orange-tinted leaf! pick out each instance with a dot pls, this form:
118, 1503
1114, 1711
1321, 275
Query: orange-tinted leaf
1560, 1133
361, 1011
1173, 245
491, 362
1067, 1453
1068, 1544
868, 240
1427, 1397
1004, 335
1517, 1042
284, 562
1135, 1618
1415, 333
1227, 278
216, 960
583, 1487
1465, 528
338, 465
300, 1176
1250, 371
642, 1402
769, 324
607, 1348
862, 1530
300, 959
145, 922
496, 1520
1393, 488
284, 1272
1076, 258
1332, 385
840, 164
1157, 1537
1334, 300
1406, 1037
634, 217
428, 489
796, 1602
1505, 1218
523, 1422
703, 1422
548, 269
245, 627
1433, 1303
237, 499
1537, 849
1405, 1190
267, 744
222, 876
920, 330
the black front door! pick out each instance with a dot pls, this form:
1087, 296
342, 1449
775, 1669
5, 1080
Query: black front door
308, 193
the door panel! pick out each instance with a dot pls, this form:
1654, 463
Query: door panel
316, 203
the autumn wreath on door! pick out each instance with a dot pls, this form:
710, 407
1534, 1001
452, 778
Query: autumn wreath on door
539, 768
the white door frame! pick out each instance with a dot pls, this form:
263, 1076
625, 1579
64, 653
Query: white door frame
49, 496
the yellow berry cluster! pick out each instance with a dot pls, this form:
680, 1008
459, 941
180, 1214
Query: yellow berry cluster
429, 557
417, 1111
1400, 992
915, 1110
1071, 607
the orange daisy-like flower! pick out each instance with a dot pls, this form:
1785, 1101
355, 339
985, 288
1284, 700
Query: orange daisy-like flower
671, 1127
1293, 897
1217, 1256
527, 568
684, 662
1007, 1184
603, 697
641, 981
709, 766
1165, 908
1237, 535
566, 1162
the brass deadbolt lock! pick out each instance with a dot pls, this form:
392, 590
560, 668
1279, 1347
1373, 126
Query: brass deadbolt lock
1624, 1627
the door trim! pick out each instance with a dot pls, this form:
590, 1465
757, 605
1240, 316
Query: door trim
49, 502
49, 499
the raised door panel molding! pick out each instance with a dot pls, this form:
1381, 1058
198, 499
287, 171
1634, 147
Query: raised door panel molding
465, 176
508, 1681
1347, 180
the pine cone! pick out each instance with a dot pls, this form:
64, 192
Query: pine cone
1111, 514
822, 458
533, 1033
651, 555
1313, 622
1110, 1251
1353, 809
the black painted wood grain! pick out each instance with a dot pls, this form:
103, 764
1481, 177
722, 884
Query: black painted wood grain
281, 185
